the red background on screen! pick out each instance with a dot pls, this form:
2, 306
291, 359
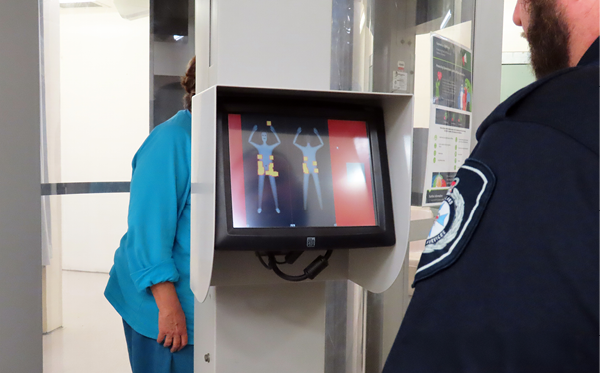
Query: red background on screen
349, 143
236, 160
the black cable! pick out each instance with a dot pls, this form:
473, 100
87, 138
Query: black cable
310, 272
318, 265
284, 276
285, 261
262, 260
268, 266
291, 257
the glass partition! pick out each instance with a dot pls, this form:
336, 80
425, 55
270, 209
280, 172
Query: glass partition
386, 46
373, 42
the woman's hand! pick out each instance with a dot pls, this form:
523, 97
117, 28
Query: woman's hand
172, 330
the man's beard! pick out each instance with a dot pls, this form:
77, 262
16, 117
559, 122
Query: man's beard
548, 37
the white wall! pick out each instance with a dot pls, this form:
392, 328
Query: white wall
104, 93
516, 70
92, 226
104, 119
20, 224
512, 41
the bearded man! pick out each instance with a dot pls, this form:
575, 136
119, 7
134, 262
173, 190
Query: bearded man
508, 281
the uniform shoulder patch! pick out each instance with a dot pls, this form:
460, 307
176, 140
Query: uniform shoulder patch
457, 219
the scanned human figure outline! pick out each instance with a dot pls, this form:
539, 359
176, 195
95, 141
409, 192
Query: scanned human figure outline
265, 165
309, 166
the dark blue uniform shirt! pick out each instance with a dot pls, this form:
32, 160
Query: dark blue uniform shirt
511, 283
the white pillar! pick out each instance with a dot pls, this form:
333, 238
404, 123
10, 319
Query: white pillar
51, 170
487, 60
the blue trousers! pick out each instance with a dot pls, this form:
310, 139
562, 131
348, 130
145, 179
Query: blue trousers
148, 356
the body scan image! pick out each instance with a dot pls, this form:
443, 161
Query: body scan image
319, 172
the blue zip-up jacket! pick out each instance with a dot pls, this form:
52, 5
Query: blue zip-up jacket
156, 247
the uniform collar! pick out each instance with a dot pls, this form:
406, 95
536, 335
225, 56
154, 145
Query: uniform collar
591, 57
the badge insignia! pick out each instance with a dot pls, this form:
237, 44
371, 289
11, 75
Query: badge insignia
457, 219
448, 221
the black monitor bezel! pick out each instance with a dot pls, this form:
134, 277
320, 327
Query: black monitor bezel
290, 239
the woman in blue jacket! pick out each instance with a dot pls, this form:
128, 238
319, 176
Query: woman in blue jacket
149, 283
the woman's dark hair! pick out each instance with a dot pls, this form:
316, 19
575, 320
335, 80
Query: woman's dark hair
188, 81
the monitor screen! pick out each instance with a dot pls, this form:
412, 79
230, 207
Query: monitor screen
299, 171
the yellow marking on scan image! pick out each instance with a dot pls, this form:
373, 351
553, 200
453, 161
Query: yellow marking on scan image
304, 168
271, 171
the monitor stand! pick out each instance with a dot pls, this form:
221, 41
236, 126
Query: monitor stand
250, 320
261, 329
254, 322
